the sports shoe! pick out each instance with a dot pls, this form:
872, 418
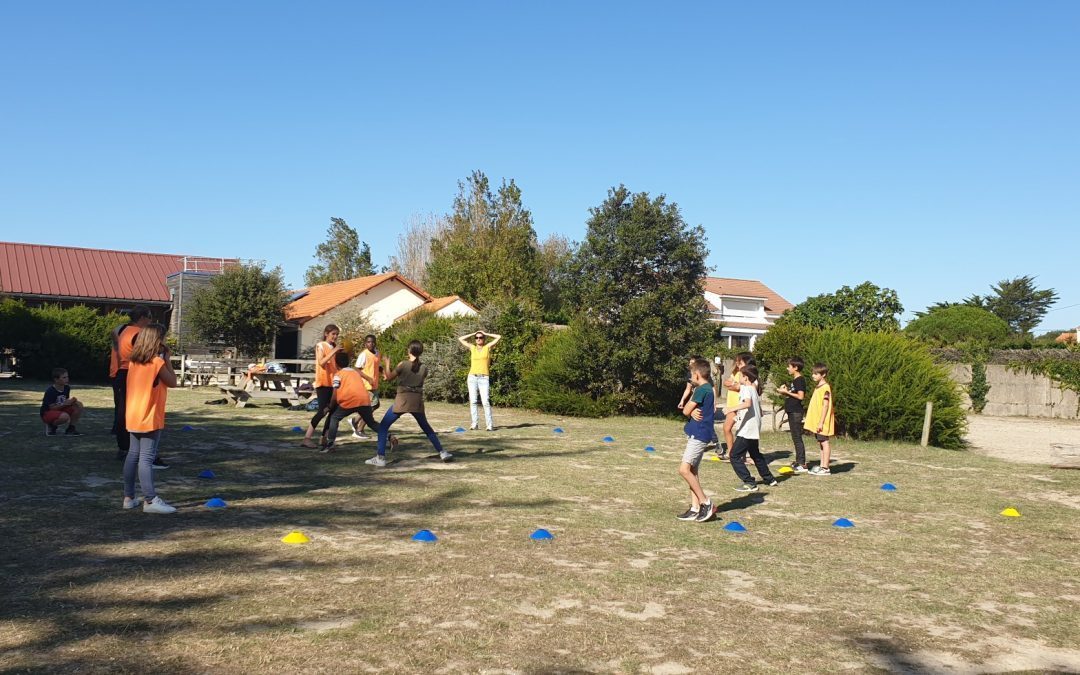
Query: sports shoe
772, 482
722, 455
820, 471
377, 460
361, 435
689, 514
132, 503
706, 513
50, 430
159, 463
747, 487
158, 505
799, 468
445, 456
491, 428
473, 428
328, 448
72, 431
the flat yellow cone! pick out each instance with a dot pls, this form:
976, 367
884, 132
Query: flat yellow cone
295, 538
714, 458
1011, 512
785, 470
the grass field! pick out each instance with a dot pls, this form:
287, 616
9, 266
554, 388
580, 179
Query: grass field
930, 579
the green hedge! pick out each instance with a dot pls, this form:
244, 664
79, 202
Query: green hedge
557, 378
882, 382
76, 338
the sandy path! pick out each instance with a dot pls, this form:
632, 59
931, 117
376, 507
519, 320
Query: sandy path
1025, 439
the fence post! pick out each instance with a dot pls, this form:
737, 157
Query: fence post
926, 423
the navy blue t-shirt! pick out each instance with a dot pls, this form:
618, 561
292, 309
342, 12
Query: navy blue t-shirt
702, 430
52, 397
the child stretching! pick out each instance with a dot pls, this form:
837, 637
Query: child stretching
58, 406
699, 430
410, 375
821, 417
149, 377
350, 397
748, 433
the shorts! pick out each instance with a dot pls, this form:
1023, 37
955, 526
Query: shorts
50, 416
821, 438
695, 450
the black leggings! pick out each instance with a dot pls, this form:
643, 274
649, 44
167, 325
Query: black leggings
323, 394
337, 413
119, 389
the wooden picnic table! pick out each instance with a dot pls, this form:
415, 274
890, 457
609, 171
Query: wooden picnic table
263, 385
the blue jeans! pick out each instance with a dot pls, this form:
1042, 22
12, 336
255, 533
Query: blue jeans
388, 421
479, 386
140, 459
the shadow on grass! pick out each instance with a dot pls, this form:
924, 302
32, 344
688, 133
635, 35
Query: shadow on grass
740, 503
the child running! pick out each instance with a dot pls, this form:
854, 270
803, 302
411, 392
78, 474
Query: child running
699, 430
58, 406
793, 405
748, 433
410, 376
325, 367
350, 397
149, 377
821, 417
733, 385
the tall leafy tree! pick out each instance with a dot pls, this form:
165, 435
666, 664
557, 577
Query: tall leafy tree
1017, 302
414, 246
488, 253
555, 254
342, 256
865, 308
636, 283
242, 307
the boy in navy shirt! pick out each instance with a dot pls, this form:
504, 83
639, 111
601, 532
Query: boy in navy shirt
58, 406
698, 434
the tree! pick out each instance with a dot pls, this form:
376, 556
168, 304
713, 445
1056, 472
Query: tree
636, 285
956, 325
342, 256
242, 307
865, 308
414, 246
1018, 303
488, 253
555, 254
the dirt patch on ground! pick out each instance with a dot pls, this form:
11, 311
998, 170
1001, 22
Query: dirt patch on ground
1026, 440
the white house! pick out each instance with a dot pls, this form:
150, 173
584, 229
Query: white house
747, 308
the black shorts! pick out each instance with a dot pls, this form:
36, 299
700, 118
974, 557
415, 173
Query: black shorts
820, 438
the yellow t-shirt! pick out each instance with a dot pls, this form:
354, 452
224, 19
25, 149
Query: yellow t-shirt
480, 361
813, 413
732, 396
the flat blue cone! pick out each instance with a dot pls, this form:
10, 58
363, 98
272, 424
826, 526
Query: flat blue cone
460, 430
889, 487
425, 535
216, 503
843, 522
558, 430
298, 430
609, 439
541, 534
187, 427
649, 448
735, 526
207, 474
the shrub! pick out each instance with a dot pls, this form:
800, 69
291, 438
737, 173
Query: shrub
784, 340
958, 324
77, 338
447, 362
979, 388
557, 378
882, 382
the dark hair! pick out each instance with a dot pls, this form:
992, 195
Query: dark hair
330, 327
796, 363
696, 357
703, 369
747, 358
416, 348
368, 336
138, 312
821, 369
751, 374
58, 373
342, 359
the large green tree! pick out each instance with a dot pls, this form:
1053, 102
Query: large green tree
1017, 302
555, 252
865, 308
956, 325
488, 252
342, 256
636, 285
242, 307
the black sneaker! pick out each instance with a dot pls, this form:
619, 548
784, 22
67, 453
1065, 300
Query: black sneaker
159, 463
51, 431
72, 431
689, 514
707, 512
747, 487
772, 482
328, 448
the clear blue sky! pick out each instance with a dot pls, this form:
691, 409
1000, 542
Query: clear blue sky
929, 147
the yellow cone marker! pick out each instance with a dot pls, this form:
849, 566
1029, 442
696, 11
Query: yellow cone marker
295, 538
1011, 512
714, 458
785, 470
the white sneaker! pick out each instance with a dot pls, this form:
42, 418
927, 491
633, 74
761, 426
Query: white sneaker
376, 461
132, 503
361, 435
445, 456
491, 428
158, 505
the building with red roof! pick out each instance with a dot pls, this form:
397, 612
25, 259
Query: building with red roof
746, 307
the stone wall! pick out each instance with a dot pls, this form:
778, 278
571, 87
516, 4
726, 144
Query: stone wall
1019, 394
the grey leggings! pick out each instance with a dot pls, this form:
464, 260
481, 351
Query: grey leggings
140, 458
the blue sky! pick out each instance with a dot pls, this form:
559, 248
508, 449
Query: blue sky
928, 147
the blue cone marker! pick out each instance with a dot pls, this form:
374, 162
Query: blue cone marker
425, 536
558, 430
649, 448
216, 503
735, 526
609, 439
207, 474
888, 487
843, 522
541, 535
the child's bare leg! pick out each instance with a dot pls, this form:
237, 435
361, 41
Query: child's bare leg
64, 418
825, 454
75, 414
689, 474
729, 433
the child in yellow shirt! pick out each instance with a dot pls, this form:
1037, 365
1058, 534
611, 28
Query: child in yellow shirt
821, 417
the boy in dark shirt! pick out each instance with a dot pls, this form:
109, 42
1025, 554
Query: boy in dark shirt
58, 406
698, 434
793, 405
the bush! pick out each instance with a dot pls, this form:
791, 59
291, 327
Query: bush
77, 338
882, 382
957, 325
784, 340
557, 379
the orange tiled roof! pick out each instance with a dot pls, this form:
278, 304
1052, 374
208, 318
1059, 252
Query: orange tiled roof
748, 288
435, 304
321, 299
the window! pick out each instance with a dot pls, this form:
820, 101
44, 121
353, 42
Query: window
740, 342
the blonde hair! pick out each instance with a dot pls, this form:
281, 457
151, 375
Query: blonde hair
148, 344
